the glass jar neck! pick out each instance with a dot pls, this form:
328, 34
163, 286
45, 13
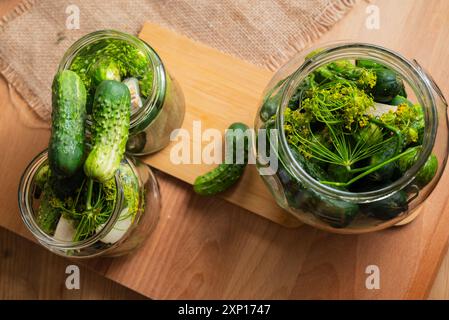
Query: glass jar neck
28, 216
145, 115
411, 73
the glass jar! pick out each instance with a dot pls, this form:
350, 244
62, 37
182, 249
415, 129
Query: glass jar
163, 109
334, 209
120, 234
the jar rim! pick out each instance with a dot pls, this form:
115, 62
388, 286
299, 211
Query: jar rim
139, 120
27, 211
337, 51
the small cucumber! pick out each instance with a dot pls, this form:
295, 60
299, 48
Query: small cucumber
368, 64
66, 148
105, 69
42, 176
269, 107
427, 171
388, 208
226, 174
337, 213
40, 179
219, 179
388, 85
387, 171
397, 100
110, 129
47, 215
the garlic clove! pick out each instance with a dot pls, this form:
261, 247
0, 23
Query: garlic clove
64, 230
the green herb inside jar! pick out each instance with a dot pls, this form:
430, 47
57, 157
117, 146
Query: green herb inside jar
336, 122
113, 59
351, 127
64, 211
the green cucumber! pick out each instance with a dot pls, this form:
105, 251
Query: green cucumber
48, 215
336, 213
270, 106
386, 172
427, 171
397, 100
388, 208
226, 174
388, 85
66, 147
218, 179
42, 176
105, 69
110, 130
368, 64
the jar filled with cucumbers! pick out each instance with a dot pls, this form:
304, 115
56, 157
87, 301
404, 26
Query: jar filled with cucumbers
83, 197
124, 210
354, 137
157, 102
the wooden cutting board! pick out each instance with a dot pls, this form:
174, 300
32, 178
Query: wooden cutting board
206, 248
219, 89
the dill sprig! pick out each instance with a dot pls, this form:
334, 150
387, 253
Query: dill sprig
95, 210
95, 213
327, 126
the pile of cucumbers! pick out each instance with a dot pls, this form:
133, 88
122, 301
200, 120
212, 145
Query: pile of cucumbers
109, 133
381, 141
99, 148
85, 152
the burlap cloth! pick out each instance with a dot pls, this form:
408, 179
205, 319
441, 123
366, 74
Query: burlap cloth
34, 36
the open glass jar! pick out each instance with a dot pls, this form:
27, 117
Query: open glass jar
158, 105
330, 207
132, 219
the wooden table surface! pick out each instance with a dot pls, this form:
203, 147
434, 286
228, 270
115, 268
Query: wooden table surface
28, 271
208, 248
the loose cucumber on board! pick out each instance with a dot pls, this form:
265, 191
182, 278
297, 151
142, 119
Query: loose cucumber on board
110, 129
66, 147
226, 174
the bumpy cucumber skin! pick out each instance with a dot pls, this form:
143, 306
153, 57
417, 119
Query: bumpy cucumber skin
226, 174
110, 129
47, 215
218, 179
105, 69
66, 147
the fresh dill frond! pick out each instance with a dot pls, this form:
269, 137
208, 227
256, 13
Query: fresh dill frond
96, 210
331, 123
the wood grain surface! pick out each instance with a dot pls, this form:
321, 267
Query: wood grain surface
209, 248
221, 90
28, 271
